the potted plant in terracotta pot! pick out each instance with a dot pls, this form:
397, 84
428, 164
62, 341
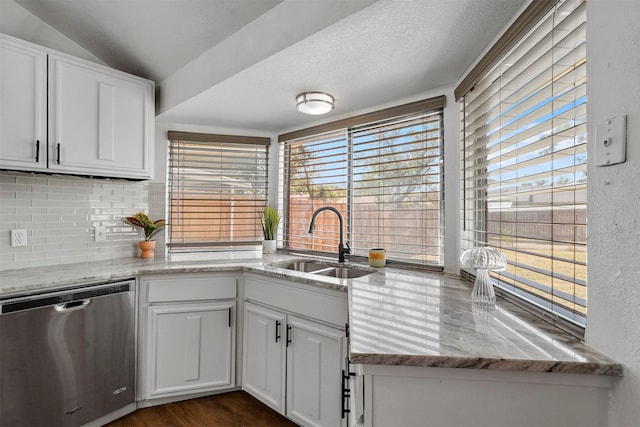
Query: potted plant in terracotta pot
150, 229
270, 220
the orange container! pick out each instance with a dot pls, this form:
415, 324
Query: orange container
377, 257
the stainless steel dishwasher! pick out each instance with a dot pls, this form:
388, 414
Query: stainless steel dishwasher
67, 357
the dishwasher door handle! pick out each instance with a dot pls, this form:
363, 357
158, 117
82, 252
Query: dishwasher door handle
64, 300
72, 306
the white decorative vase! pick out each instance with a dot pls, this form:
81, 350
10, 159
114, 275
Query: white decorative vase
268, 246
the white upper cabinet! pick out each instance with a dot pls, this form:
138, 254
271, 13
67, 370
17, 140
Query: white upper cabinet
23, 106
67, 115
100, 120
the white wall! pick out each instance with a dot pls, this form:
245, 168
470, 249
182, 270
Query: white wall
613, 55
451, 185
16, 21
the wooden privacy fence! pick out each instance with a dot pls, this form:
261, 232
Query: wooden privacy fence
213, 218
409, 230
200, 218
560, 224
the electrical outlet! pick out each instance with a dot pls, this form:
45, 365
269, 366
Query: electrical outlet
18, 237
100, 234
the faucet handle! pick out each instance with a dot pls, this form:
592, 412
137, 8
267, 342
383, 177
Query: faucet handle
348, 248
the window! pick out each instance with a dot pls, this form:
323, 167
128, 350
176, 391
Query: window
384, 176
217, 190
524, 172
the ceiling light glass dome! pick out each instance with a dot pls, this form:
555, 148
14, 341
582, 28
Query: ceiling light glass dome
314, 103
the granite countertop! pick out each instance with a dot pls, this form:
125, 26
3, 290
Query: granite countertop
48, 278
397, 316
427, 319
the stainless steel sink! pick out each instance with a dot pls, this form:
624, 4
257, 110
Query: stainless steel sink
343, 272
304, 266
325, 269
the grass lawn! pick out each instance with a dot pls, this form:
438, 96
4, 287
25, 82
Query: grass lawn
555, 265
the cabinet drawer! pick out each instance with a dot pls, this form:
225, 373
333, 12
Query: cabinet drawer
191, 289
321, 306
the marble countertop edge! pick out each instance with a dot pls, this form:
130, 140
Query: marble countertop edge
515, 365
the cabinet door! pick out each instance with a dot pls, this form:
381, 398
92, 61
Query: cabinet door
263, 364
100, 120
23, 106
191, 348
315, 359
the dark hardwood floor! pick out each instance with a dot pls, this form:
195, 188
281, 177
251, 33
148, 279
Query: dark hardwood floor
233, 409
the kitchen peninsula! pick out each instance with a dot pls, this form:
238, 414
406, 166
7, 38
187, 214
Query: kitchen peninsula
415, 344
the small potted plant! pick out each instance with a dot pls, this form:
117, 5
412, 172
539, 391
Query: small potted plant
150, 228
270, 220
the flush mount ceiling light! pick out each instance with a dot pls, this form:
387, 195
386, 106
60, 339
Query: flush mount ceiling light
314, 102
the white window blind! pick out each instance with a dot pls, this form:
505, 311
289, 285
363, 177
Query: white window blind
217, 191
317, 175
524, 157
384, 177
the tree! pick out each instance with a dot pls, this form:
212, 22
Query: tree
563, 180
305, 176
583, 178
402, 162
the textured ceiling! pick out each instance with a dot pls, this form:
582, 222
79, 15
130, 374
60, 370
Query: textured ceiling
240, 63
388, 51
150, 38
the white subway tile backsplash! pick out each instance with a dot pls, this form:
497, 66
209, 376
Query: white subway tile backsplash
60, 196
31, 196
5, 195
12, 263
42, 188
60, 214
15, 187
16, 203
29, 180
5, 211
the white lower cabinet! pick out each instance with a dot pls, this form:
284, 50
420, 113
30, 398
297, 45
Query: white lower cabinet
193, 347
189, 335
315, 357
291, 362
264, 363
409, 396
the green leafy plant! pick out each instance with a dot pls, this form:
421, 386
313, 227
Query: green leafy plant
270, 220
149, 227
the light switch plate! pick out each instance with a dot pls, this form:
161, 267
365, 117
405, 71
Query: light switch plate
611, 141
